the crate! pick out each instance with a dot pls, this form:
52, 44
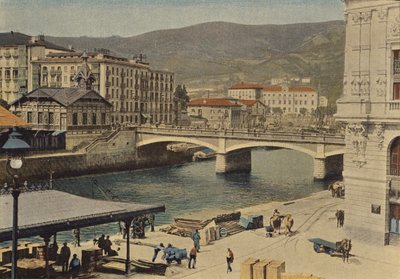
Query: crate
204, 237
275, 269
246, 271
212, 233
258, 221
246, 223
90, 258
260, 269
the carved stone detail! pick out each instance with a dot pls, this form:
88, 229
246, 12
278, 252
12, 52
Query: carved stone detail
382, 14
394, 27
358, 135
381, 86
356, 18
355, 85
364, 86
380, 134
365, 17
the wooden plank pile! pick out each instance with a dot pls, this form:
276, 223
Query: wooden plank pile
185, 227
117, 265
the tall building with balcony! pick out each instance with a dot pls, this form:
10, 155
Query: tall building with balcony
370, 105
138, 93
17, 51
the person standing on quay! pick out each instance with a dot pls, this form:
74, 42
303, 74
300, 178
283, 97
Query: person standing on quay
192, 257
77, 235
107, 245
75, 266
229, 260
65, 254
196, 239
101, 242
157, 249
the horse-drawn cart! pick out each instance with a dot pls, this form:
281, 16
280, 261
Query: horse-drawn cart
340, 248
323, 246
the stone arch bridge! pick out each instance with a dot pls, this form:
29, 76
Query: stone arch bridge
233, 148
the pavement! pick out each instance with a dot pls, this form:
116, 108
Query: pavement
314, 216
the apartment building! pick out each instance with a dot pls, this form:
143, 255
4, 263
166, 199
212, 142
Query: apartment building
17, 51
220, 113
245, 91
290, 99
137, 93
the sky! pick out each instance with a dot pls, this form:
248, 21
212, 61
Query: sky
103, 18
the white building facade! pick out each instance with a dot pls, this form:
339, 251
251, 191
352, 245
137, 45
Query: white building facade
370, 105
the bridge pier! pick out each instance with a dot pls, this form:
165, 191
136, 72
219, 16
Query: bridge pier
328, 167
233, 162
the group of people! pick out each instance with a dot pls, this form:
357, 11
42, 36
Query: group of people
72, 266
193, 252
104, 243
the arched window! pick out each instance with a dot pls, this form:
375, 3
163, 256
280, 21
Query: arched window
395, 157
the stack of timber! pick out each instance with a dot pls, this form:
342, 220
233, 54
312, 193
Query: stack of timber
185, 227
117, 265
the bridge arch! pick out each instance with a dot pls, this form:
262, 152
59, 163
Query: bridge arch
176, 139
272, 144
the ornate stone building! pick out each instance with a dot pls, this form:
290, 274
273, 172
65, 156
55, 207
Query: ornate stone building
17, 51
138, 93
370, 105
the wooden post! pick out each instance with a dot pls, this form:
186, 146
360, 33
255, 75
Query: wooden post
46, 239
128, 256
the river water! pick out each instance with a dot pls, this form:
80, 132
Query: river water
277, 175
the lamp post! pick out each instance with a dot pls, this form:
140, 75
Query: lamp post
15, 149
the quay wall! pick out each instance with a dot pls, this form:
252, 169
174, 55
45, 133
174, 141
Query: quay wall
115, 154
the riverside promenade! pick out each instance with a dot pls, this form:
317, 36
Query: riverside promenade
314, 217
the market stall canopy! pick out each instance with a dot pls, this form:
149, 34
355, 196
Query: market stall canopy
50, 211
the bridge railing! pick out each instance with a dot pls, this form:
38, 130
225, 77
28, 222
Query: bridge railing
246, 134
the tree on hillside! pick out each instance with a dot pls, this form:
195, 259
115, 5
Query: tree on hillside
181, 96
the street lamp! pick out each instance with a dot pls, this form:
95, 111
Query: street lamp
15, 149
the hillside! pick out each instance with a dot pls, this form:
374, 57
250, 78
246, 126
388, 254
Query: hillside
212, 56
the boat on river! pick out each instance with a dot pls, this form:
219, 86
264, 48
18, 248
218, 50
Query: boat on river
204, 154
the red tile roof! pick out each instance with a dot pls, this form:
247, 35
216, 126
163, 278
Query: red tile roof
278, 88
248, 103
8, 119
213, 103
246, 86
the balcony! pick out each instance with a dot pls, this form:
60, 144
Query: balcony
15, 55
394, 105
7, 55
45, 72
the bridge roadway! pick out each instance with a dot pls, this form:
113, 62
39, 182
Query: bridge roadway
233, 147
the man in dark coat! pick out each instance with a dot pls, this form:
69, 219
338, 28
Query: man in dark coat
65, 254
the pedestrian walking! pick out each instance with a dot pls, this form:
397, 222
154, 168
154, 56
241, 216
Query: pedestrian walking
229, 260
107, 245
157, 249
65, 254
192, 257
196, 239
74, 266
77, 236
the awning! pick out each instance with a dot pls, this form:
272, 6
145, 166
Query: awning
56, 133
50, 211
145, 115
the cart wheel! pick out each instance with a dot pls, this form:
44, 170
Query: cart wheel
316, 248
179, 261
